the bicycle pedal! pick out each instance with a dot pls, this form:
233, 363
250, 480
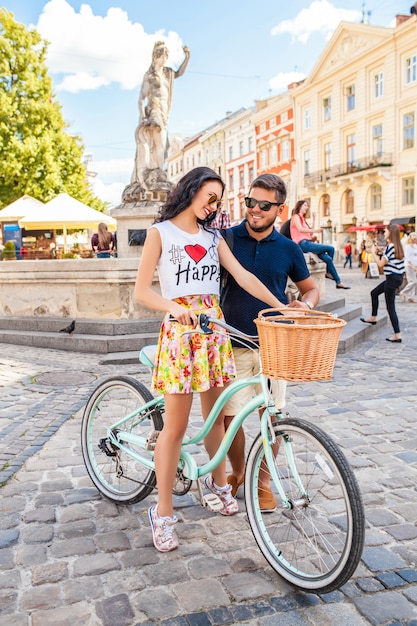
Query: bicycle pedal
213, 502
151, 440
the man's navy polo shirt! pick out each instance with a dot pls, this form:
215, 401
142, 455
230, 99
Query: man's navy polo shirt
272, 259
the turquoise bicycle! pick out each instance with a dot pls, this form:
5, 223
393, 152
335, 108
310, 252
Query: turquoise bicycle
314, 539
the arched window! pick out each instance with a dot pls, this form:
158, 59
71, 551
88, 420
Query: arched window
376, 197
325, 205
349, 202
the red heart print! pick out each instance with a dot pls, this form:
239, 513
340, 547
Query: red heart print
196, 252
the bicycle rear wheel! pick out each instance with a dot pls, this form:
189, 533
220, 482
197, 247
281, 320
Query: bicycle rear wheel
114, 472
316, 544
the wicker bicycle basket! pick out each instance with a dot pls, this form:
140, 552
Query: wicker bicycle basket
298, 345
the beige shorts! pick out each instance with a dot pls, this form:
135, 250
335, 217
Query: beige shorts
247, 365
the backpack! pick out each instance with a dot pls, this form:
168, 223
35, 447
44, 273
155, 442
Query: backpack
285, 229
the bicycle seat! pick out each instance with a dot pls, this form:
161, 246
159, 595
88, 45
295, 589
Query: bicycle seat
147, 355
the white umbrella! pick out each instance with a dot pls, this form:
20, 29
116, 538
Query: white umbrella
67, 213
26, 206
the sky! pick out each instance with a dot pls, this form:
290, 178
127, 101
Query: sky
241, 51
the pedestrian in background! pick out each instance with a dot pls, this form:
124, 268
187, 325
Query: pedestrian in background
302, 234
392, 261
102, 242
410, 255
348, 253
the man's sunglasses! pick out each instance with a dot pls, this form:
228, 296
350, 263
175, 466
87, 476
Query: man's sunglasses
264, 205
214, 200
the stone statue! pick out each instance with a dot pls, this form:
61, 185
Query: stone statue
154, 106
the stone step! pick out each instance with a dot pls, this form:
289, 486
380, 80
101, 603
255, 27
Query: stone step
95, 344
82, 326
119, 341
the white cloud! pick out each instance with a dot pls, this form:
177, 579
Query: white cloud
281, 80
92, 51
108, 193
112, 176
321, 16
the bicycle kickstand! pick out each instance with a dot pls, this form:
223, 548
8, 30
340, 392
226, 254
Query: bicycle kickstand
209, 500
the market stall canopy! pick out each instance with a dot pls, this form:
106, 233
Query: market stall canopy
26, 206
368, 228
401, 221
67, 213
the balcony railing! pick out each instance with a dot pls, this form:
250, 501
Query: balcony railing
344, 169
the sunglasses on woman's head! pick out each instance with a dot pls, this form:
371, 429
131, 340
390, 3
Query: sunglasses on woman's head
264, 205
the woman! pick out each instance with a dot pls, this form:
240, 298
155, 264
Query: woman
102, 242
187, 254
392, 261
302, 234
410, 254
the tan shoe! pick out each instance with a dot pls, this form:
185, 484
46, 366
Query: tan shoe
232, 480
267, 502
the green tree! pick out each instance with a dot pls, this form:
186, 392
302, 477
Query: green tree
37, 155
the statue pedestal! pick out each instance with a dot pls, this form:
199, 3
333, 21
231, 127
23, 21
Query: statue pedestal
140, 204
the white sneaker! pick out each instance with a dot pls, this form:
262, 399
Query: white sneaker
164, 536
230, 505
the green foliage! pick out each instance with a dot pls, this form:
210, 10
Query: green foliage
38, 156
9, 250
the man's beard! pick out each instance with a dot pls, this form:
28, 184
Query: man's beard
261, 228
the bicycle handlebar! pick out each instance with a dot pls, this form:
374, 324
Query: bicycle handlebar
204, 320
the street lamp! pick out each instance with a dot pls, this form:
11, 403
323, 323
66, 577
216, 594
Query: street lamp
354, 220
329, 223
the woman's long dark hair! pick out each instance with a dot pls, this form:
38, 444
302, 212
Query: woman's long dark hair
394, 237
182, 195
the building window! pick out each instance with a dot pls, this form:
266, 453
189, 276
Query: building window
219, 150
327, 109
408, 190
378, 85
411, 69
408, 130
199, 157
264, 158
327, 156
230, 153
307, 162
377, 140
207, 156
284, 117
251, 174
240, 148
350, 202
273, 153
307, 118
241, 178
376, 197
250, 144
351, 150
285, 150
326, 205
273, 122
231, 181
263, 127
350, 97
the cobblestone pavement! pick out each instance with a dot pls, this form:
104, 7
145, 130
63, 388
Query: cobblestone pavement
68, 557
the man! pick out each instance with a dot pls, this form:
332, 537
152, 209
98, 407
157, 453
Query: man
348, 253
273, 259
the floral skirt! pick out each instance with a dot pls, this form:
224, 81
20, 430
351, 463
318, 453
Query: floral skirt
193, 362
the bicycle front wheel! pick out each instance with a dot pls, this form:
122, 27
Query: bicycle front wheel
314, 539
115, 407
